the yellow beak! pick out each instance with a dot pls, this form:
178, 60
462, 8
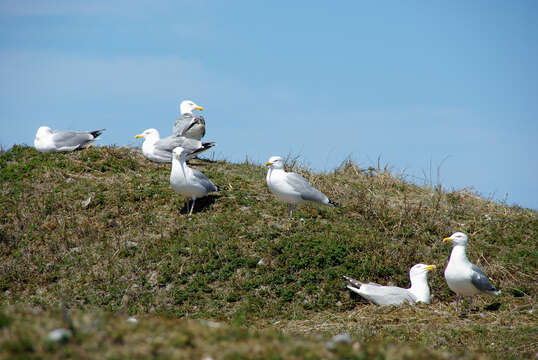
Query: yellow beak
199, 108
139, 136
430, 267
447, 239
268, 163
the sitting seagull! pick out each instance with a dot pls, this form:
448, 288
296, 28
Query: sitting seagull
57, 140
188, 124
393, 295
160, 150
463, 277
186, 181
292, 188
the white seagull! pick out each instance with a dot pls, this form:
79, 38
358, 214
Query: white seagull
189, 124
186, 181
291, 187
58, 140
160, 150
393, 295
463, 277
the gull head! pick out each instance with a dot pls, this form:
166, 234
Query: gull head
420, 270
275, 162
43, 131
188, 106
458, 238
148, 134
179, 153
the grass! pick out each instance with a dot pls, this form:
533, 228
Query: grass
131, 250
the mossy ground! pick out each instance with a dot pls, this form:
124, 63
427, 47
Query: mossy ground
131, 250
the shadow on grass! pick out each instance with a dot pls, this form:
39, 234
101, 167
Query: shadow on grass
201, 205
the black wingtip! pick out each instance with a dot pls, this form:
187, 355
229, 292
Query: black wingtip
208, 145
96, 133
335, 204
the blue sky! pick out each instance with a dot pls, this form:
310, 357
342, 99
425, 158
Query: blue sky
419, 84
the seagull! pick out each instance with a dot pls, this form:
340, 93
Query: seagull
160, 150
393, 295
463, 277
186, 181
189, 124
58, 140
291, 187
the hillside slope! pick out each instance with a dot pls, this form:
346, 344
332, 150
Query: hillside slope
131, 250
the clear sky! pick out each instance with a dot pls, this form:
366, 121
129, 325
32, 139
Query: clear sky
420, 84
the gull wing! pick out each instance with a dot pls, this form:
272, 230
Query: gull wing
71, 140
385, 295
303, 187
186, 121
480, 280
204, 181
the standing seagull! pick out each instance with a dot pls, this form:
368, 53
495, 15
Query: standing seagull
57, 140
292, 188
393, 295
186, 181
160, 150
189, 124
463, 277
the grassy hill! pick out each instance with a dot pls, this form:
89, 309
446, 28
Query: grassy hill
102, 231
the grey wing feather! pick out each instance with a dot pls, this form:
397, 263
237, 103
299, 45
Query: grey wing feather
204, 181
71, 139
185, 122
171, 142
480, 280
181, 123
303, 187
386, 295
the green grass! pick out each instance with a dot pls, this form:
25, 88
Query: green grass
132, 251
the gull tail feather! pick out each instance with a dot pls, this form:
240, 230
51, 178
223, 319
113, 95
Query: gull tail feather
335, 204
352, 282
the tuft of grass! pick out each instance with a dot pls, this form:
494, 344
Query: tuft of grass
130, 249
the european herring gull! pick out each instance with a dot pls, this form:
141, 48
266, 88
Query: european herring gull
188, 124
393, 295
463, 277
160, 150
291, 187
58, 140
186, 181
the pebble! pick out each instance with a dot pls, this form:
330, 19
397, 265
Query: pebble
60, 335
132, 320
338, 339
131, 244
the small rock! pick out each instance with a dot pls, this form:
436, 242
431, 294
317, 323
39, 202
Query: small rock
60, 335
86, 203
337, 340
169, 287
339, 303
153, 278
276, 225
244, 208
132, 320
131, 244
